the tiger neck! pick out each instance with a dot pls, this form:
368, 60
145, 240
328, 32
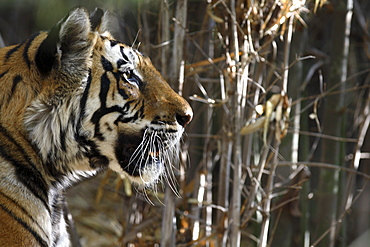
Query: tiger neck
54, 130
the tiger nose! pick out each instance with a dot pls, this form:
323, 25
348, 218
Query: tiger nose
184, 118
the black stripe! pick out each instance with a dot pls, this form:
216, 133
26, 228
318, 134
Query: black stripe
107, 65
121, 91
82, 139
127, 105
16, 79
104, 88
63, 131
125, 109
123, 119
96, 159
23, 210
38, 238
138, 103
113, 42
26, 171
58, 173
123, 54
27, 175
63, 134
103, 110
2, 74
26, 47
121, 62
85, 96
141, 111
11, 51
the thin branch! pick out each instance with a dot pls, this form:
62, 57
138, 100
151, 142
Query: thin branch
325, 165
324, 136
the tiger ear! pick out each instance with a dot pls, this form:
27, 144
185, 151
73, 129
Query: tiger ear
99, 20
68, 45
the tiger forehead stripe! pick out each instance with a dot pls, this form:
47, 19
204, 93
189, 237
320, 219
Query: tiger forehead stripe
125, 57
123, 54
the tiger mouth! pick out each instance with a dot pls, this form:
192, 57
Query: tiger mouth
135, 155
129, 150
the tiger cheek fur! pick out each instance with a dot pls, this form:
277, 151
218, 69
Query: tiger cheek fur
75, 101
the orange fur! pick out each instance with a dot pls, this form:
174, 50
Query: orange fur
75, 101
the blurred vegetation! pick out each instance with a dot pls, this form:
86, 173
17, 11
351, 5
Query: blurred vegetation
278, 152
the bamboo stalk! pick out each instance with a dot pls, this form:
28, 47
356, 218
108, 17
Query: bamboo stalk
165, 36
329, 183
349, 194
256, 181
209, 177
286, 65
179, 39
235, 204
168, 228
223, 192
266, 206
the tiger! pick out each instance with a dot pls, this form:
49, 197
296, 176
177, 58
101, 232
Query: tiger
75, 102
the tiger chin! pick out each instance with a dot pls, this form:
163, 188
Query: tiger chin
75, 101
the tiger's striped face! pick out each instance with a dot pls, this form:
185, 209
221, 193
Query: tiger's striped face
102, 104
134, 118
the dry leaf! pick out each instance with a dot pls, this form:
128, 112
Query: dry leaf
253, 127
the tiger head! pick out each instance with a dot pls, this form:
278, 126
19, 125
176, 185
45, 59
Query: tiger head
101, 104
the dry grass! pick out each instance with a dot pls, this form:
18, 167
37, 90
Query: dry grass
243, 181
